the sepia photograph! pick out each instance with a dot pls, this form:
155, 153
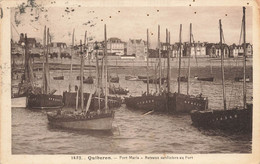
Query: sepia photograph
140, 82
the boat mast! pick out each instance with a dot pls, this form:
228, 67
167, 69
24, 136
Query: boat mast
71, 51
147, 66
222, 66
179, 79
168, 60
105, 31
81, 75
160, 67
244, 61
47, 73
169, 66
43, 63
188, 78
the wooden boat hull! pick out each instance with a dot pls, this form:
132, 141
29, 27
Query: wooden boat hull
185, 103
98, 122
89, 80
19, 102
174, 103
44, 101
132, 78
147, 103
205, 78
58, 78
236, 120
113, 79
78, 77
144, 77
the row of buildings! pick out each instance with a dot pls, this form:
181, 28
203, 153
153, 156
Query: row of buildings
137, 48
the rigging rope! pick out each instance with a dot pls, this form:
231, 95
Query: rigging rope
236, 97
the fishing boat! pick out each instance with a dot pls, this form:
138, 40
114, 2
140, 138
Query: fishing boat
79, 78
150, 102
204, 78
100, 119
72, 98
113, 79
132, 78
184, 103
143, 77
58, 78
89, 80
241, 79
44, 99
238, 119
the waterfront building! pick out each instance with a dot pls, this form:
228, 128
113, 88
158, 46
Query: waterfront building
137, 48
59, 49
31, 42
238, 51
115, 46
214, 50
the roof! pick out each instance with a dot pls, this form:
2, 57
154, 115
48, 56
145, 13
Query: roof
114, 40
59, 44
137, 41
29, 40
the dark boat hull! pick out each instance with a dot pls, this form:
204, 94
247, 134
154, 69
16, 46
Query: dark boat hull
113, 79
147, 103
174, 103
89, 80
44, 101
236, 120
144, 77
58, 78
205, 78
185, 103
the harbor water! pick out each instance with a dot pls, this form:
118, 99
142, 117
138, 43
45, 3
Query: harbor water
133, 132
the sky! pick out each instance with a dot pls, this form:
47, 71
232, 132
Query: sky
132, 22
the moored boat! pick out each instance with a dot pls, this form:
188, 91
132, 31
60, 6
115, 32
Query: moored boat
100, 119
58, 78
240, 79
82, 120
43, 98
234, 119
204, 78
113, 79
89, 80
44, 101
147, 102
